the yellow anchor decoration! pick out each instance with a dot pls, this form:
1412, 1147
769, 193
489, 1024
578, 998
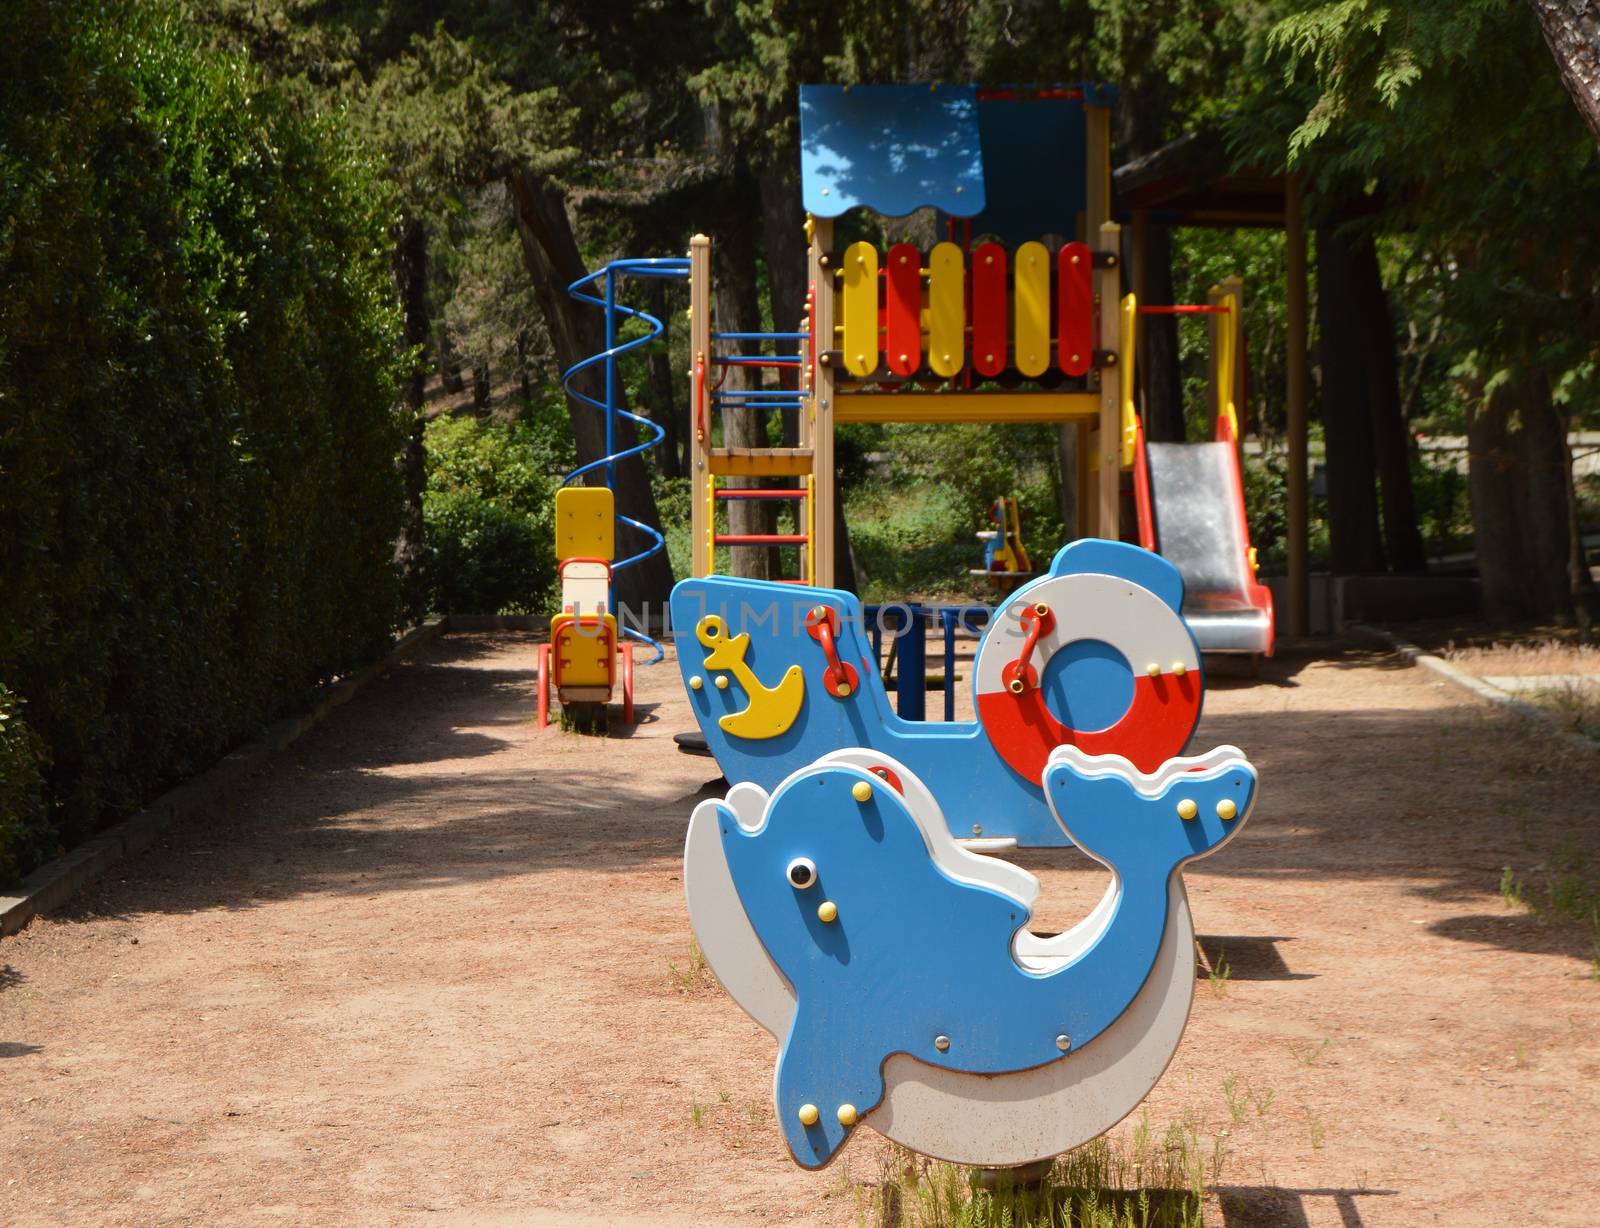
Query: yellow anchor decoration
771, 709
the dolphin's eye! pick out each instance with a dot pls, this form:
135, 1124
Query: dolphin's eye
802, 873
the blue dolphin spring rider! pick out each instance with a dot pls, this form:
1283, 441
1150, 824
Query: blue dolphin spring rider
846, 891
851, 891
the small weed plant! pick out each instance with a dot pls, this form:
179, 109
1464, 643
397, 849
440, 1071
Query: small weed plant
1141, 1182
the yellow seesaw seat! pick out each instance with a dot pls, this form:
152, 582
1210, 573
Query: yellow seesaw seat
581, 658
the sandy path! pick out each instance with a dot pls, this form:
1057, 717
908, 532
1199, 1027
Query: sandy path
418, 973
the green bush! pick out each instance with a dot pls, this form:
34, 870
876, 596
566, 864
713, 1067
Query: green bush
197, 390
24, 828
489, 512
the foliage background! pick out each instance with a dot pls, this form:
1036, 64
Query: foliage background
197, 375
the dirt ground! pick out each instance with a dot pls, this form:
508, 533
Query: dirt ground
432, 967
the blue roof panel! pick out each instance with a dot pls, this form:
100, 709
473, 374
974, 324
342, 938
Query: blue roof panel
890, 148
1034, 154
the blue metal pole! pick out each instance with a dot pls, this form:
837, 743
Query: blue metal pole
611, 412
913, 685
948, 617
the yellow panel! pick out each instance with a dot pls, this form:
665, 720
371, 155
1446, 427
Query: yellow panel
1033, 308
585, 523
584, 653
946, 308
860, 308
965, 406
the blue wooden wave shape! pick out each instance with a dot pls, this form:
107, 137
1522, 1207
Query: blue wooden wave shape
914, 955
955, 759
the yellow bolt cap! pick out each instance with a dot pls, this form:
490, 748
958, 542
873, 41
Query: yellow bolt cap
722, 682
1178, 668
696, 682
1187, 809
861, 791
827, 912
1153, 669
847, 1115
809, 1115
1226, 809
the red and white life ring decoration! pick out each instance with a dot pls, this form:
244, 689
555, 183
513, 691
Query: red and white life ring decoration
1045, 618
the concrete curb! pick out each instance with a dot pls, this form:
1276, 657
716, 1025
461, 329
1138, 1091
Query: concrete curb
56, 882
1477, 686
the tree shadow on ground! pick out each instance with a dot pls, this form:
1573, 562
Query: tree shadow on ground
392, 793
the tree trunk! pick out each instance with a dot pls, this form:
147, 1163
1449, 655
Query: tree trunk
666, 405
481, 387
1402, 535
784, 238
576, 332
1354, 538
737, 307
1572, 32
409, 264
1162, 379
449, 365
524, 377
1517, 477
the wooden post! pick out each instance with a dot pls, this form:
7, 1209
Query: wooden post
700, 381
1096, 212
1139, 282
1294, 227
1097, 168
1108, 298
819, 411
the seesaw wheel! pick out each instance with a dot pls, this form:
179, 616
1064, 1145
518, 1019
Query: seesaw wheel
1060, 614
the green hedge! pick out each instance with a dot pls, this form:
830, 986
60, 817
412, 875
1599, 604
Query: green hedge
198, 369
490, 517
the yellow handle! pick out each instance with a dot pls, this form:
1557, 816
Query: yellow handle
1130, 327
1227, 348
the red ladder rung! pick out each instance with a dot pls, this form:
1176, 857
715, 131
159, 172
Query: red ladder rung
780, 493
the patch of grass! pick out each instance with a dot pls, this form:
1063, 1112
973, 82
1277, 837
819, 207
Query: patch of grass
1567, 890
697, 1113
695, 976
1512, 891
1574, 706
1317, 1128
1545, 654
1238, 1102
1142, 1182
1307, 1055
1218, 971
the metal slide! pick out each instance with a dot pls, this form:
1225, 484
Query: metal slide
1194, 517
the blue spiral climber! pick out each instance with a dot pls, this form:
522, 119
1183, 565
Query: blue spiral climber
615, 315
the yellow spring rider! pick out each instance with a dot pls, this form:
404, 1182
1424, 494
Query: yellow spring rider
582, 656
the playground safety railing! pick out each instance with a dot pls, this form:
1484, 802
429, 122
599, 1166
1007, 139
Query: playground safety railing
908, 625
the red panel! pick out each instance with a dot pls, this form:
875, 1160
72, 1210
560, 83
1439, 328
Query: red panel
989, 309
903, 343
1155, 727
1074, 308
